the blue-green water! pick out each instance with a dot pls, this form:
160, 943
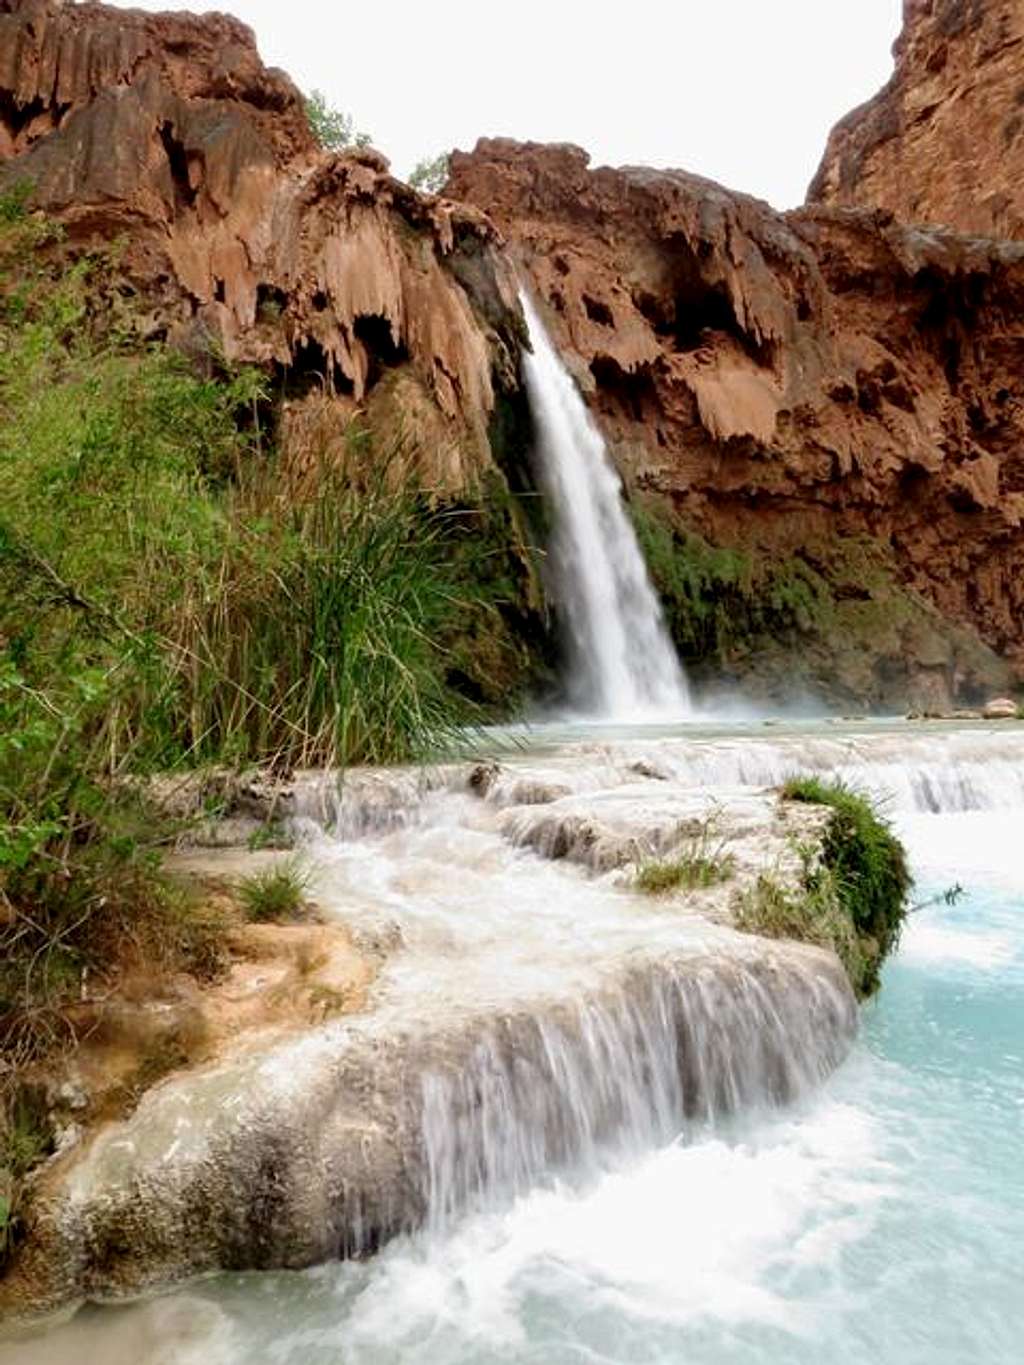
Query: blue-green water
883, 1222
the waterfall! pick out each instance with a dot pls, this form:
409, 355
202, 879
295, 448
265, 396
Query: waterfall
622, 662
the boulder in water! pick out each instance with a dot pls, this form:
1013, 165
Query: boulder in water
1001, 708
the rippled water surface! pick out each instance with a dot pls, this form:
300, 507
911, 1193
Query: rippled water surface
881, 1222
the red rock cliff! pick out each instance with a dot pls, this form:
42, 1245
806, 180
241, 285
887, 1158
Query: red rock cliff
791, 379
943, 142
780, 382
168, 131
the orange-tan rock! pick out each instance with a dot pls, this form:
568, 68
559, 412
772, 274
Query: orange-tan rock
782, 379
779, 381
167, 130
943, 142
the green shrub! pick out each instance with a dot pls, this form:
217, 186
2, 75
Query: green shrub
333, 129
276, 894
26, 1139
862, 872
868, 862
430, 175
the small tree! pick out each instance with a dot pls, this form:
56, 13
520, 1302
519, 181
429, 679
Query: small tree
430, 176
332, 128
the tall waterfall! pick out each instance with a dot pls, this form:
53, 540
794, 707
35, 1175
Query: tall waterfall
622, 663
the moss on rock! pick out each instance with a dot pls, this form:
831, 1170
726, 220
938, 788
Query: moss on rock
852, 895
828, 618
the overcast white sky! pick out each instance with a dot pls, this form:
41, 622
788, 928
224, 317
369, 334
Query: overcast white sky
743, 91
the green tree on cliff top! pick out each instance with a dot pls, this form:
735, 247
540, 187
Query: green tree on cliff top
431, 174
333, 129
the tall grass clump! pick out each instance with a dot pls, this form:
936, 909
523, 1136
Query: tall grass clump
701, 862
811, 912
312, 638
276, 893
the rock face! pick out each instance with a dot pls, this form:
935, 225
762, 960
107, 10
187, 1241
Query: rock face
167, 131
789, 380
943, 142
787, 385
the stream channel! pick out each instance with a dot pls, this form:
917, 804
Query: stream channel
875, 1219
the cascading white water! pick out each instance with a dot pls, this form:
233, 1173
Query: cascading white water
664, 1052
543, 1023
622, 663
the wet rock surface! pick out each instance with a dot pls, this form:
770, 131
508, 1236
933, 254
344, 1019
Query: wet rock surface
531, 1013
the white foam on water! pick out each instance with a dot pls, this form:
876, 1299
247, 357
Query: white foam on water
691, 1233
926, 942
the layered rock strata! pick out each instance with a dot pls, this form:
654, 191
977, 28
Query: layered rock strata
943, 141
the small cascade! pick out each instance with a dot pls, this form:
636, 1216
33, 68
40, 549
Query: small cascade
908, 771
662, 1054
622, 662
935, 774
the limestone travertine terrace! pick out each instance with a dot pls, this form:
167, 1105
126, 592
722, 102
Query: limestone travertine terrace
534, 1015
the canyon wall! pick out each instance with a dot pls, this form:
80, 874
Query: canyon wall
827, 400
794, 383
943, 142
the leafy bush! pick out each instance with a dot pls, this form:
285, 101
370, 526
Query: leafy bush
431, 174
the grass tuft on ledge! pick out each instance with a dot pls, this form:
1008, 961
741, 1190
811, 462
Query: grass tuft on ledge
276, 894
699, 862
687, 872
